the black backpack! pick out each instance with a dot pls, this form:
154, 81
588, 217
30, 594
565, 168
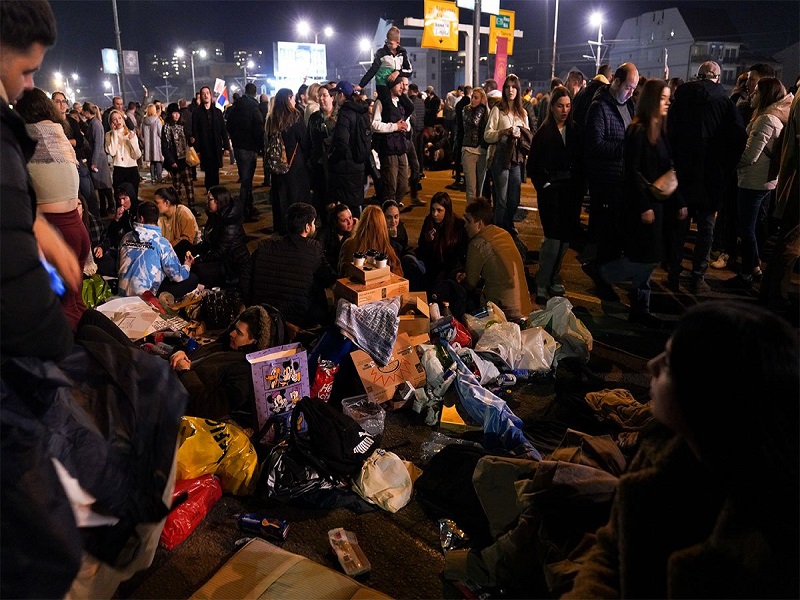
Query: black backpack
362, 144
332, 442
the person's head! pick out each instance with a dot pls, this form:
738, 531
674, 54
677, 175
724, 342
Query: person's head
75, 114
182, 103
343, 92
756, 72
575, 81
166, 199
768, 91
88, 110
116, 119
131, 106
125, 195
478, 97
325, 100
342, 218
173, 113
27, 29
263, 98
441, 209
560, 108
284, 113
478, 214
393, 37
709, 71
391, 210
205, 96
34, 106
754, 397
512, 96
150, 110
250, 89
302, 93
117, 104
624, 83
398, 86
147, 213
300, 219
606, 72
652, 108
313, 91
555, 82
673, 84
372, 232
413, 89
219, 198
490, 85
61, 102
254, 327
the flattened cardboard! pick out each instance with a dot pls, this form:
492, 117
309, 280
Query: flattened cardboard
381, 383
360, 294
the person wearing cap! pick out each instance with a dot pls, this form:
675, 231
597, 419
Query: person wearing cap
389, 125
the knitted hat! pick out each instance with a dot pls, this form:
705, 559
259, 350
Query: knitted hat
173, 107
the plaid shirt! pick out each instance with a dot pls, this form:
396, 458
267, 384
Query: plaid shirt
96, 230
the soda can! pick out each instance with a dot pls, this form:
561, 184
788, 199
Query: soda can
191, 345
271, 528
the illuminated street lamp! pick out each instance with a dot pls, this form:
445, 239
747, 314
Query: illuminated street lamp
180, 54
596, 20
364, 45
248, 65
304, 29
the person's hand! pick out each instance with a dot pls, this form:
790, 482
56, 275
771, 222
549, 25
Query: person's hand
119, 213
460, 277
144, 87
357, 88
648, 216
174, 166
58, 253
189, 259
98, 252
131, 135
509, 131
683, 213
180, 362
402, 126
226, 152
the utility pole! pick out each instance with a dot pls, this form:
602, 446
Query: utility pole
121, 69
476, 44
555, 37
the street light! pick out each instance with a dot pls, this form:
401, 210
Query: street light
248, 65
596, 20
180, 54
304, 29
364, 45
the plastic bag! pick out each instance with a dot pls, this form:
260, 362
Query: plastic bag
223, 449
436, 441
502, 341
384, 480
202, 493
476, 324
95, 290
537, 352
286, 477
558, 319
484, 370
192, 157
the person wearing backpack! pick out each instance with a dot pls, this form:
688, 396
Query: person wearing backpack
350, 149
288, 145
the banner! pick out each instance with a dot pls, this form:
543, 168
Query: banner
130, 60
219, 86
501, 60
110, 61
222, 99
441, 25
502, 25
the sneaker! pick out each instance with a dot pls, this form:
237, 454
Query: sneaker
452, 186
758, 274
721, 262
738, 283
699, 286
557, 290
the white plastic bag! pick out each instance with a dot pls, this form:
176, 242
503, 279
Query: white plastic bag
558, 319
477, 325
486, 369
501, 340
538, 350
384, 480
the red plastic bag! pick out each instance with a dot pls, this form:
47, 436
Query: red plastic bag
463, 338
203, 493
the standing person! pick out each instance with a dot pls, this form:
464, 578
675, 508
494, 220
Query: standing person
98, 163
321, 126
246, 130
263, 108
389, 124
473, 154
707, 138
771, 106
293, 186
81, 146
433, 104
418, 122
389, 62
178, 225
349, 152
312, 105
122, 145
442, 245
152, 128
509, 135
464, 100
555, 164
647, 219
210, 137
54, 175
174, 144
714, 536
583, 99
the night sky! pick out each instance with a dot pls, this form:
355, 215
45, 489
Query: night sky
84, 27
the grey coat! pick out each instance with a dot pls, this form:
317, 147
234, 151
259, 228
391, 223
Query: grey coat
96, 136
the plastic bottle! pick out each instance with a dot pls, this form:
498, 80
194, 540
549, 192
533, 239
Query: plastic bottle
446, 310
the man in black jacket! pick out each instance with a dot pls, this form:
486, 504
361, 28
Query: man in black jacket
246, 130
290, 272
210, 137
346, 184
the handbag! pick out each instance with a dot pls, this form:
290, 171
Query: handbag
663, 187
192, 157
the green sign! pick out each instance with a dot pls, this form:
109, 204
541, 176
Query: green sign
502, 22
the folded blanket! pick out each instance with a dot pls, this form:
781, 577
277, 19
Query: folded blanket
373, 327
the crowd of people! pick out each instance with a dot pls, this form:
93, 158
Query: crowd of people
654, 155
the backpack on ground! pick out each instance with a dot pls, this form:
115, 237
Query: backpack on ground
362, 144
332, 442
276, 155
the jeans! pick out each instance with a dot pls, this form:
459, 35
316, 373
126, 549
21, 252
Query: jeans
622, 269
413, 167
474, 166
394, 172
752, 207
246, 164
507, 189
156, 170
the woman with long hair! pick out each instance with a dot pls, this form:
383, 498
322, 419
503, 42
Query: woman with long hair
555, 164
312, 101
473, 149
122, 145
371, 233
321, 124
771, 105
174, 145
53, 170
442, 245
509, 134
98, 162
152, 127
647, 219
339, 225
291, 187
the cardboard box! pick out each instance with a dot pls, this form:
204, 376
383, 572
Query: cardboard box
280, 379
452, 421
415, 318
360, 294
370, 276
381, 383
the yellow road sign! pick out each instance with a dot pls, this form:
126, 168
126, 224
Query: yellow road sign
441, 25
501, 25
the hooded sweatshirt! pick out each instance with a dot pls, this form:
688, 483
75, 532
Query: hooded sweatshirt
753, 168
145, 257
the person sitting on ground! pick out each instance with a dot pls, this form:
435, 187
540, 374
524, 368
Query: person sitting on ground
698, 514
340, 226
177, 222
494, 263
106, 252
370, 234
442, 245
217, 375
223, 253
147, 261
290, 272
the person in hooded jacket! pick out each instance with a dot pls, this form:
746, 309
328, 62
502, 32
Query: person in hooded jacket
223, 252
107, 251
346, 182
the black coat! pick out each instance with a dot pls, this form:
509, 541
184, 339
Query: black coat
224, 240
290, 273
246, 125
293, 186
604, 136
346, 182
560, 165
707, 137
210, 136
452, 257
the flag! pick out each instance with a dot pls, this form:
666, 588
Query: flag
222, 99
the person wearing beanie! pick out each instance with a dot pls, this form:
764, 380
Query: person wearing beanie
217, 375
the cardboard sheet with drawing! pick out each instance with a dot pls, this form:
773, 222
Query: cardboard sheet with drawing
379, 382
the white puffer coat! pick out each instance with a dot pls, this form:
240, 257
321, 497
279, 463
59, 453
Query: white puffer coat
753, 168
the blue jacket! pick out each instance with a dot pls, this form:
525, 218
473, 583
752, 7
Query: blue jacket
605, 138
145, 257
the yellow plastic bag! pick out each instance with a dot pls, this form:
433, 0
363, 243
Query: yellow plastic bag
210, 447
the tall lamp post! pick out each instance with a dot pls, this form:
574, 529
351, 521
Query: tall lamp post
248, 65
304, 29
180, 54
596, 20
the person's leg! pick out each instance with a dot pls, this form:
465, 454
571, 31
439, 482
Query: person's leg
212, 178
246, 165
480, 173
548, 255
469, 162
640, 274
389, 177
702, 246
413, 167
749, 206
93, 321
153, 178
557, 287
188, 184
677, 240
178, 288
500, 176
86, 190
402, 177
762, 226
513, 193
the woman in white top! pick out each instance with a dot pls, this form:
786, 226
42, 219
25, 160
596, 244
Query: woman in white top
151, 133
122, 146
54, 175
508, 134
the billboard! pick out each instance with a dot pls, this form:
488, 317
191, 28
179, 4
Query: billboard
297, 60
